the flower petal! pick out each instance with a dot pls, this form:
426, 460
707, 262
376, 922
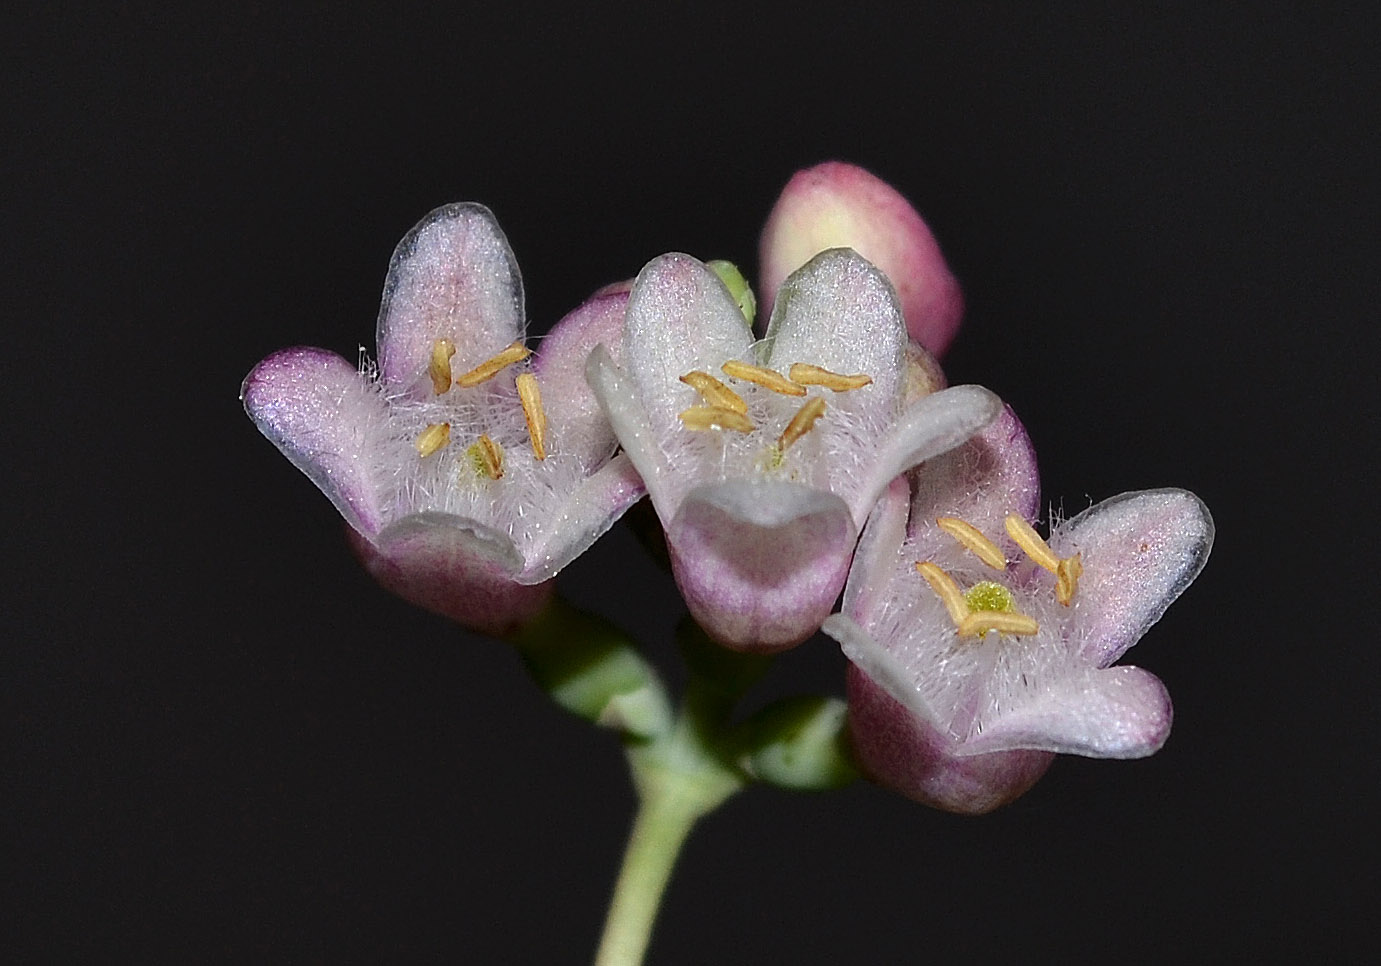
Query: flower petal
326, 419
760, 563
453, 276
680, 318
980, 481
905, 753
928, 427
869, 582
883, 667
836, 205
584, 517
1116, 712
618, 397
1139, 552
577, 424
455, 567
839, 312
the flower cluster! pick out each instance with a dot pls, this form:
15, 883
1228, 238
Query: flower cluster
472, 470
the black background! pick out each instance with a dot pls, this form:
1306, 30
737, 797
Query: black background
226, 743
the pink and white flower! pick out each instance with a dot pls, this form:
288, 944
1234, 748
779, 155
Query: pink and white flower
469, 470
979, 650
763, 459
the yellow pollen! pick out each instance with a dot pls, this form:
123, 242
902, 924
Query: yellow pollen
946, 589
767, 378
979, 622
487, 457
803, 373
531, 398
716, 417
801, 423
432, 438
1066, 571
969, 535
490, 368
439, 368
715, 392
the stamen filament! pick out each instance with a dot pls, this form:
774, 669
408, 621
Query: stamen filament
805, 374
432, 439
487, 456
531, 398
439, 367
979, 622
491, 367
716, 417
973, 540
801, 423
767, 378
946, 589
715, 392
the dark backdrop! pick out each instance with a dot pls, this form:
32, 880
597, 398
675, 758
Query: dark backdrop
226, 743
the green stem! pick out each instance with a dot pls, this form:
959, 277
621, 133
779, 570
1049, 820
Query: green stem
664, 820
680, 774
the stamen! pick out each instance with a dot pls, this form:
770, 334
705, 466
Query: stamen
487, 457
439, 368
1067, 578
432, 439
808, 375
716, 417
979, 622
947, 590
1066, 571
715, 392
1026, 537
767, 378
490, 368
970, 536
531, 398
801, 423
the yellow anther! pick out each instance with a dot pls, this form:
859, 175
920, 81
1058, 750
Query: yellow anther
979, 622
1067, 578
1026, 537
801, 423
969, 535
716, 417
531, 398
947, 590
432, 438
487, 457
439, 368
490, 368
767, 378
715, 392
805, 374
1066, 571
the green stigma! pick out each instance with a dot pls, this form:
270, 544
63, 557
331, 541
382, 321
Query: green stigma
986, 595
738, 287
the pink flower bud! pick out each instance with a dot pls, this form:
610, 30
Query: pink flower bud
838, 205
